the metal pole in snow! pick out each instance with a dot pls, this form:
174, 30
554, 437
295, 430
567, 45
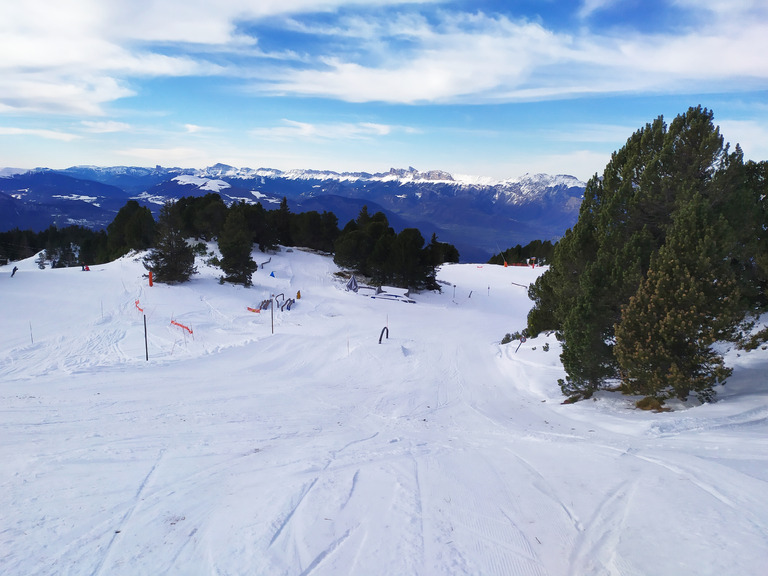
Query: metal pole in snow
146, 346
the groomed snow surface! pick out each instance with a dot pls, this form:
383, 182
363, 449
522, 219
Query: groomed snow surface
317, 450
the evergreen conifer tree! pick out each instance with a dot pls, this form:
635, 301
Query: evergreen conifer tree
236, 245
281, 219
171, 260
132, 229
624, 221
689, 300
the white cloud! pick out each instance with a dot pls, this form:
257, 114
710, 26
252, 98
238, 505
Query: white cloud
751, 135
76, 56
40, 133
37, 92
480, 58
722, 7
465, 55
105, 126
292, 129
588, 7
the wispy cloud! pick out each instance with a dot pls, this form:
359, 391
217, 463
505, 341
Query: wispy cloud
104, 127
476, 57
91, 67
195, 129
76, 56
751, 135
39, 133
292, 129
588, 7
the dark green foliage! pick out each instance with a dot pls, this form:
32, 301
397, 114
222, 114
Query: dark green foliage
171, 260
441, 252
280, 221
235, 245
369, 246
364, 244
435, 254
313, 230
689, 300
67, 246
201, 216
74, 246
622, 261
261, 231
756, 226
19, 244
406, 263
541, 251
132, 229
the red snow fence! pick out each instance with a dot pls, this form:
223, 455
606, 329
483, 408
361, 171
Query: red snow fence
139, 308
187, 328
257, 310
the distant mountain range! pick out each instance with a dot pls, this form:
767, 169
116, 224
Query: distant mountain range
479, 216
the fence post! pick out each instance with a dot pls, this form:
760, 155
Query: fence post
146, 346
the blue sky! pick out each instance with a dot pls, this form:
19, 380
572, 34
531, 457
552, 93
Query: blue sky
487, 88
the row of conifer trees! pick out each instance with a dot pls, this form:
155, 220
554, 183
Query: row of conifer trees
367, 245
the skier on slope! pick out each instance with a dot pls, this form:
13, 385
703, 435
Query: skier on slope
15, 268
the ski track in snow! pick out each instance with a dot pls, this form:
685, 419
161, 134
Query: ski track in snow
127, 517
318, 451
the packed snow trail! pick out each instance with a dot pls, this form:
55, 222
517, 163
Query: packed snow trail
316, 450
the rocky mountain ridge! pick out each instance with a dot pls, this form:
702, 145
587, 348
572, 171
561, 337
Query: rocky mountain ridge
478, 215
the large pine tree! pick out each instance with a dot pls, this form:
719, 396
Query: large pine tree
624, 221
236, 245
171, 260
132, 229
689, 300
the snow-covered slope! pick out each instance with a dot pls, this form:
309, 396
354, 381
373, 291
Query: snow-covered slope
299, 444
